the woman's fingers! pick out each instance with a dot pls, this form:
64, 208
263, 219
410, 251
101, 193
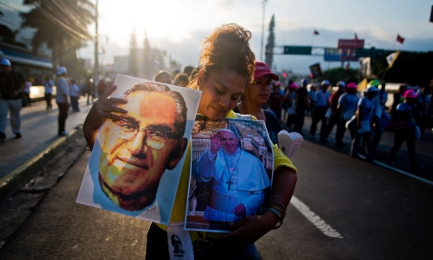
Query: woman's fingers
107, 93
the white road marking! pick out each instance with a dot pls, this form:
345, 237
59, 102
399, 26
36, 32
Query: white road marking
389, 167
315, 219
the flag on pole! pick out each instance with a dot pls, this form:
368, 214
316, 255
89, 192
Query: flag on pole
392, 57
103, 49
356, 36
400, 39
316, 32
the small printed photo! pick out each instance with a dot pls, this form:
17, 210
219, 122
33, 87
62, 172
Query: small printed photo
136, 162
231, 172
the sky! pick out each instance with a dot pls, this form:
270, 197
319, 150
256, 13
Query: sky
180, 26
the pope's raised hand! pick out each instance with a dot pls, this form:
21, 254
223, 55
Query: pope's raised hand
215, 143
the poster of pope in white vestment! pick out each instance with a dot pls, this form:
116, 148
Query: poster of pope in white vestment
231, 172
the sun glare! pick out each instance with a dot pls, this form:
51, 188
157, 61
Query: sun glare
154, 17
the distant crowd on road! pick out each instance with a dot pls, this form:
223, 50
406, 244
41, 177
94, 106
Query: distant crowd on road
362, 112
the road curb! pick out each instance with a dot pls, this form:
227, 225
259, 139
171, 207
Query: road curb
20, 175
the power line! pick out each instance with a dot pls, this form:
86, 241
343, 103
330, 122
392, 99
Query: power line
10, 7
71, 14
62, 24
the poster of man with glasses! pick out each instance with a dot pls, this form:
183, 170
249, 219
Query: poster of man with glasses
136, 163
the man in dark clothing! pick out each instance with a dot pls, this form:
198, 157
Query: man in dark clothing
335, 116
398, 98
12, 84
301, 103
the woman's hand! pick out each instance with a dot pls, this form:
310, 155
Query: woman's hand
249, 229
102, 109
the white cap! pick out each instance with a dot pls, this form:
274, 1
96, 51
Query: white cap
226, 130
61, 70
325, 82
341, 83
5, 62
372, 89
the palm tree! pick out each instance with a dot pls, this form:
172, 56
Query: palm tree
62, 25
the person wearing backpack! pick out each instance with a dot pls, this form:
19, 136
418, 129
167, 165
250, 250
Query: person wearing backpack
364, 120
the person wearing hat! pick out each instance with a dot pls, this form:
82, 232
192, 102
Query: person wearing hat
364, 123
407, 133
12, 84
256, 94
301, 104
335, 113
319, 111
62, 100
347, 105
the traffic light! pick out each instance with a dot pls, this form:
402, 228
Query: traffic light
284, 74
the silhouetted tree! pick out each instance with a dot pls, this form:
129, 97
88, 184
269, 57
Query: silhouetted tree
60, 24
269, 55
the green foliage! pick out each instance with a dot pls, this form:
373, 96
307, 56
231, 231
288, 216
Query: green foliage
62, 25
337, 74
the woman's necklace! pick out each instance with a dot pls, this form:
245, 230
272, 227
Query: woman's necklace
231, 170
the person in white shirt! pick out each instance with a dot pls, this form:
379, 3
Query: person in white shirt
62, 99
74, 93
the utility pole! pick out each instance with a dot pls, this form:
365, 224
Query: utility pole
263, 29
96, 65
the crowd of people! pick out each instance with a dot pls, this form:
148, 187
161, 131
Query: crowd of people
363, 113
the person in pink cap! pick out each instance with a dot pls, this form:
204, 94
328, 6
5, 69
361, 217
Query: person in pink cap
347, 105
256, 94
407, 133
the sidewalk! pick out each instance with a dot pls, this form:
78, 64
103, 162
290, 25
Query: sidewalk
423, 148
21, 158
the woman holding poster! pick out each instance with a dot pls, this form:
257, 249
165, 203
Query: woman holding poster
226, 67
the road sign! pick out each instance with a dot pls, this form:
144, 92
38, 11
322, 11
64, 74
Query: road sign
371, 52
350, 44
338, 54
297, 50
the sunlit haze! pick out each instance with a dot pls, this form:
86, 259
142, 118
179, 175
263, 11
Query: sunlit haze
179, 27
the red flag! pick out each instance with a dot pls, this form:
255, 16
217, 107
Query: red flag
103, 49
316, 32
356, 37
400, 39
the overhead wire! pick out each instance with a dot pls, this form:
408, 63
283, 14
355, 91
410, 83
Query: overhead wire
62, 24
71, 14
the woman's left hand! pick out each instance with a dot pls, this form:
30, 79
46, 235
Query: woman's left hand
249, 229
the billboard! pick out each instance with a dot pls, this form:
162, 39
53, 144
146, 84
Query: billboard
340, 54
350, 44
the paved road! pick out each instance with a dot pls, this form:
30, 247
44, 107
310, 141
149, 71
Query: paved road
343, 209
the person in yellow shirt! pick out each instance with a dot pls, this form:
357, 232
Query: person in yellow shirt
226, 66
